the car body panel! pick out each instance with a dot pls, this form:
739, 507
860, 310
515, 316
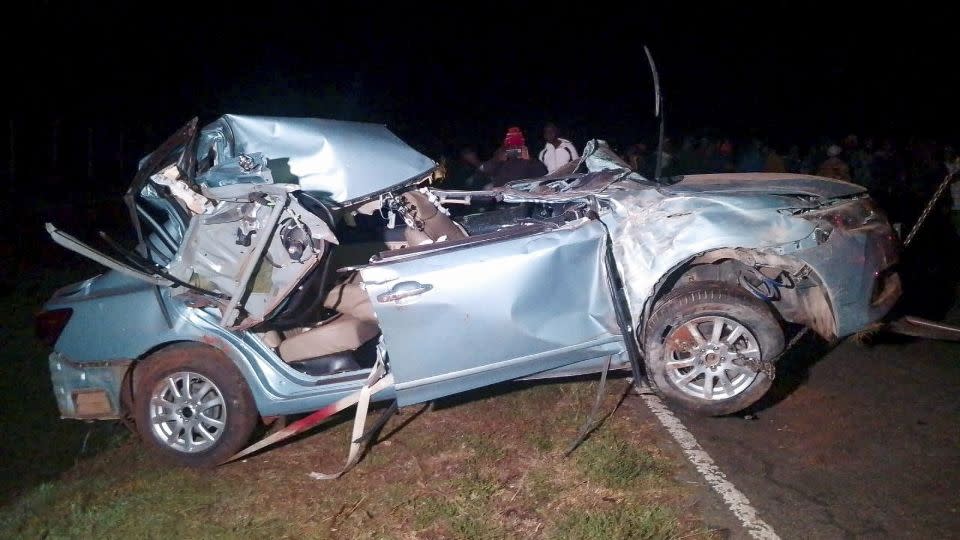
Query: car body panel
118, 320
345, 162
784, 183
495, 311
653, 231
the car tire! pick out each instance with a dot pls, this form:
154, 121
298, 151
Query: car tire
192, 405
683, 351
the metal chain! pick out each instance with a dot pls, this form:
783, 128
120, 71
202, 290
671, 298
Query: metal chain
768, 367
929, 208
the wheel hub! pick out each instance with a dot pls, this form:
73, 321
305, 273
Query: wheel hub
712, 359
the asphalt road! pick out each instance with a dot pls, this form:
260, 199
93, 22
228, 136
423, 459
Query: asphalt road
862, 442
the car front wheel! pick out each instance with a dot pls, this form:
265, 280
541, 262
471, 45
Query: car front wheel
705, 343
193, 406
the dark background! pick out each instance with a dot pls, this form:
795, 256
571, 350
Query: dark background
92, 88
786, 69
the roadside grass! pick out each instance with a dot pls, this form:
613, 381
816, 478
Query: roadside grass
487, 464
627, 521
466, 469
616, 463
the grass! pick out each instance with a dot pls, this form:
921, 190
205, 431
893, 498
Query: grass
484, 465
627, 521
617, 463
135, 508
451, 473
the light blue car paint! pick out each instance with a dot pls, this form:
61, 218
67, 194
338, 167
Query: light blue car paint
528, 301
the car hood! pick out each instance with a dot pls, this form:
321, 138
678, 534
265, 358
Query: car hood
345, 162
775, 183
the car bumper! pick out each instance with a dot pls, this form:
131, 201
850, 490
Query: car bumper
87, 391
858, 268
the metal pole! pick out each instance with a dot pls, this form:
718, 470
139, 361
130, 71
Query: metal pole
658, 111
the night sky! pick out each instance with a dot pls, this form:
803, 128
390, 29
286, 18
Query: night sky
90, 90
445, 77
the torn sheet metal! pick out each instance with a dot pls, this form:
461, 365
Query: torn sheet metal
65, 240
342, 161
605, 170
242, 169
170, 178
255, 251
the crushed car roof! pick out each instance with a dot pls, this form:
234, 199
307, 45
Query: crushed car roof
342, 161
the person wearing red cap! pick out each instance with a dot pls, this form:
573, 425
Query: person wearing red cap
512, 161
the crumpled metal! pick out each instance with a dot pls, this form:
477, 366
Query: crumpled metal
344, 162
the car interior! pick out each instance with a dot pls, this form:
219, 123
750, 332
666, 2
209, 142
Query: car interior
342, 335
327, 325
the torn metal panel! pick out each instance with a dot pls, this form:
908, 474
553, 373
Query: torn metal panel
255, 251
170, 178
241, 169
343, 161
605, 171
80, 248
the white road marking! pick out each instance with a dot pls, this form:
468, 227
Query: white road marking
735, 499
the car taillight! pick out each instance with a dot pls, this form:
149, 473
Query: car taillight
50, 324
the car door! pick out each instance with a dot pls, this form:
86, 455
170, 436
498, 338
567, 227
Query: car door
474, 312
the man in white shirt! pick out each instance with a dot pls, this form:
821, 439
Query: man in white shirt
557, 152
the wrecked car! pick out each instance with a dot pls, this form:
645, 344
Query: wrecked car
242, 298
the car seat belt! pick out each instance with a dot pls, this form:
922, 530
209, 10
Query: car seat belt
378, 380
358, 439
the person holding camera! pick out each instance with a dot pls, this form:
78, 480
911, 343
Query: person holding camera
512, 161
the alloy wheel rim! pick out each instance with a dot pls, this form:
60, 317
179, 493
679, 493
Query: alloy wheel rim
187, 412
709, 357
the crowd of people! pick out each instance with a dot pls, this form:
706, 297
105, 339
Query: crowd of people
511, 161
901, 176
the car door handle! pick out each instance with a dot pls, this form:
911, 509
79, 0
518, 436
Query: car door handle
404, 289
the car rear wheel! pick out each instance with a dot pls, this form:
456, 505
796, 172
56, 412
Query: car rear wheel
192, 405
704, 343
